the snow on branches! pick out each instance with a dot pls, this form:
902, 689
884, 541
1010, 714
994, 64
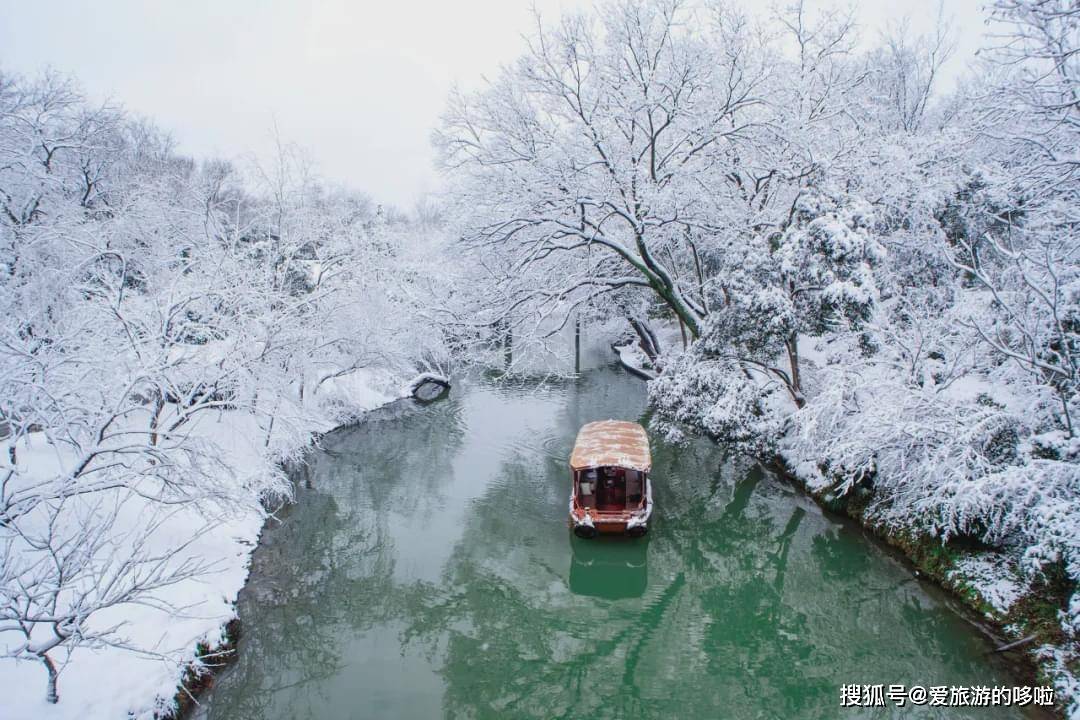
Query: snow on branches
169, 331
879, 282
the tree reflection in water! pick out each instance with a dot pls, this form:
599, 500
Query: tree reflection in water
430, 569
324, 572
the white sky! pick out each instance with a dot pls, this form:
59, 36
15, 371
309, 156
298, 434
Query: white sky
360, 85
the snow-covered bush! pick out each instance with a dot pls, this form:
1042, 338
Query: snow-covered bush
719, 399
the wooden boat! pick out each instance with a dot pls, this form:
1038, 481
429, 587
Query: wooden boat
611, 490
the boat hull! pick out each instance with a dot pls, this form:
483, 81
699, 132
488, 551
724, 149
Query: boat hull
588, 523
607, 527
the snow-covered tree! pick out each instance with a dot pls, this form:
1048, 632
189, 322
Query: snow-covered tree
157, 311
583, 164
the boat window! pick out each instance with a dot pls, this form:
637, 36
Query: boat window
611, 492
633, 486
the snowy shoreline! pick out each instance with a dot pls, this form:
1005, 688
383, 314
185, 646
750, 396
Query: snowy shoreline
198, 675
188, 645
988, 583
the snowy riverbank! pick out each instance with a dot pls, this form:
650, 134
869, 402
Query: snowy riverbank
1028, 608
1024, 610
112, 681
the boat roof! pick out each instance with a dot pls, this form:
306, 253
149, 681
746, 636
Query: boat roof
611, 443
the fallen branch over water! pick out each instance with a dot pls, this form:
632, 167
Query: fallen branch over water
1014, 644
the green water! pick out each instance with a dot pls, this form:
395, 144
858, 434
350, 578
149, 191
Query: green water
426, 571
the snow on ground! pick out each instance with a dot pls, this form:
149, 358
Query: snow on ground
115, 683
993, 577
357, 392
109, 682
634, 358
1060, 662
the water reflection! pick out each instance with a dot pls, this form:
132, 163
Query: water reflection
611, 568
427, 570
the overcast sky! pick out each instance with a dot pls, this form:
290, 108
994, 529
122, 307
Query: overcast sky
359, 84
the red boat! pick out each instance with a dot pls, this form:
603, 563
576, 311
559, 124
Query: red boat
611, 489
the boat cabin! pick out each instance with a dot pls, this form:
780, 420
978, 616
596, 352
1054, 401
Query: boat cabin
610, 468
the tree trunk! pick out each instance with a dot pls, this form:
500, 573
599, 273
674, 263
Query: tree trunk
681, 310
795, 386
577, 344
508, 347
155, 416
1061, 394
646, 338
50, 692
661, 281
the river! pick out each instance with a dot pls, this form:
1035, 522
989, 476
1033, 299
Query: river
426, 570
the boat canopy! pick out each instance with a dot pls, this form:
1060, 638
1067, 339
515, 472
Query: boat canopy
611, 443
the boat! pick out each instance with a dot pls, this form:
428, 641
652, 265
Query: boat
611, 491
